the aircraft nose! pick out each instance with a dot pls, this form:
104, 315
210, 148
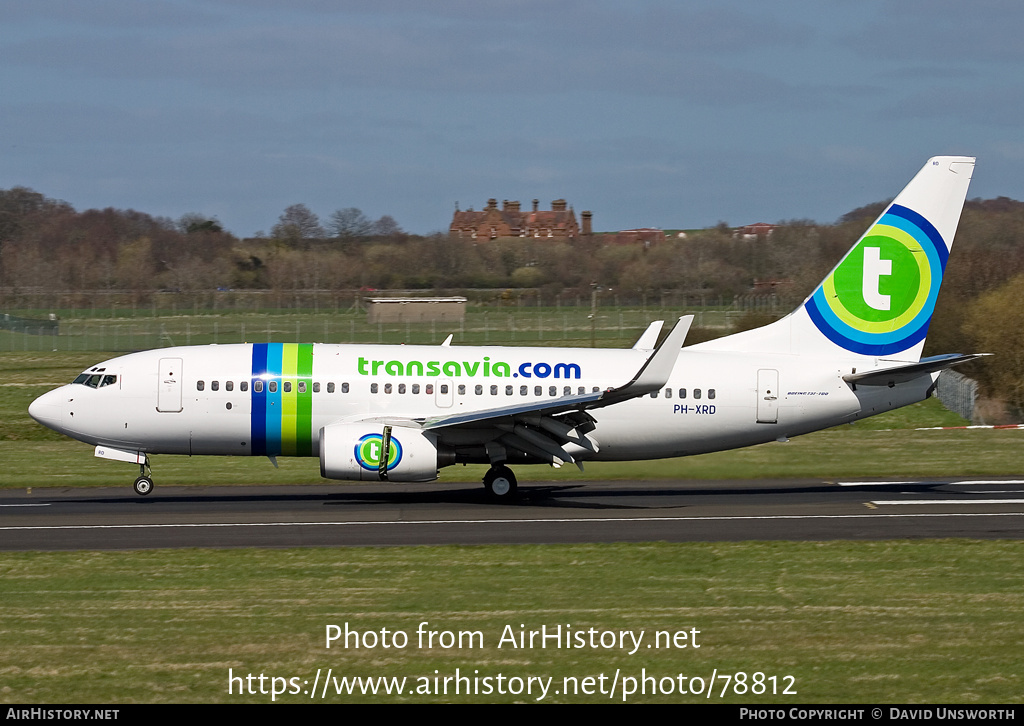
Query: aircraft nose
47, 409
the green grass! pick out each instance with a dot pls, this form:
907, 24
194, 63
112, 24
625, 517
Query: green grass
883, 622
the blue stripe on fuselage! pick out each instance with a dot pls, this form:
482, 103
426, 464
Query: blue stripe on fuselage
275, 361
259, 400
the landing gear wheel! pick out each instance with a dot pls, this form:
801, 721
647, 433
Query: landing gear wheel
143, 485
500, 483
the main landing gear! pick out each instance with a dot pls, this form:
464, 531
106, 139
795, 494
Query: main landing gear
500, 483
144, 484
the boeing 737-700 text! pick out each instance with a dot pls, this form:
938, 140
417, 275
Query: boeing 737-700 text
400, 413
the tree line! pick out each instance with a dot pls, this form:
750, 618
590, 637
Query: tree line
48, 246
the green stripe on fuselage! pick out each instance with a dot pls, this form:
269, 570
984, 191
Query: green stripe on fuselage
297, 404
304, 412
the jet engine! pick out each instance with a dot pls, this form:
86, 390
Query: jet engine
376, 452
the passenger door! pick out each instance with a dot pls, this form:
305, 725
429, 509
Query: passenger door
168, 399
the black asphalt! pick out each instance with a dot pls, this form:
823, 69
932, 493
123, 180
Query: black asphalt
333, 514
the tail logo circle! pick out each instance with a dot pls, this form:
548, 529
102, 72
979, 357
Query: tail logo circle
881, 297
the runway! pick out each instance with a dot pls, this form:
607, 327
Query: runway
387, 514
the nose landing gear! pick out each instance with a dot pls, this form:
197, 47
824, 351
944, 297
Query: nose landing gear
144, 484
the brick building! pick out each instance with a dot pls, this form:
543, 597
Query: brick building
646, 236
511, 221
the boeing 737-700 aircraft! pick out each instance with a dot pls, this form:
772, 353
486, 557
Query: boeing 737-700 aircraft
400, 413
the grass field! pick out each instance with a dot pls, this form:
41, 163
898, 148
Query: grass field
884, 622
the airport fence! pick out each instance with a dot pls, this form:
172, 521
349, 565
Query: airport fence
126, 331
958, 393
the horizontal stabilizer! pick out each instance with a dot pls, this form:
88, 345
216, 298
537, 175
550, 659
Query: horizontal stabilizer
909, 371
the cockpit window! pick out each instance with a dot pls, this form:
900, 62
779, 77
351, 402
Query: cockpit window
95, 380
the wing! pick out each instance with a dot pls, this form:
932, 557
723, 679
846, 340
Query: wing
649, 339
542, 429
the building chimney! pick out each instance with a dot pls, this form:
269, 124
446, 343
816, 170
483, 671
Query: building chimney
558, 205
587, 224
536, 203
492, 203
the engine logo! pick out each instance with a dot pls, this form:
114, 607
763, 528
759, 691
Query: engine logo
368, 452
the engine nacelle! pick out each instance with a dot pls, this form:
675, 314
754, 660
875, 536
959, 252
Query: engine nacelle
354, 450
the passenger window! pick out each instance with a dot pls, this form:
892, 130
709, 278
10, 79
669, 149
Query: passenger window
444, 389
287, 386
330, 387
257, 386
595, 389
668, 393
682, 393
696, 393
552, 391
243, 386
711, 393
316, 387
581, 390
302, 386
344, 388
429, 389
214, 385
523, 390
401, 388
462, 389
200, 385
494, 390
373, 388
538, 390
415, 387
387, 388
273, 386
567, 391
654, 394
508, 390
478, 390
229, 385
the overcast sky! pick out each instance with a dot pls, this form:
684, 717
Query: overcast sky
662, 114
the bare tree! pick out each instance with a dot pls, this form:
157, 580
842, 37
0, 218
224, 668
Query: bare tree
298, 222
349, 223
386, 226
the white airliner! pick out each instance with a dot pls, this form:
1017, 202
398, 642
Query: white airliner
400, 413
